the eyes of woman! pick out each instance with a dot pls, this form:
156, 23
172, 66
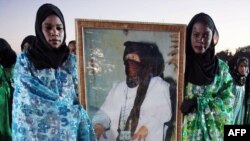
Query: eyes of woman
50, 27
197, 35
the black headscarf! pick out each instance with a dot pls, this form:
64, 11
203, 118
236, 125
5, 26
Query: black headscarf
201, 68
7, 54
41, 53
28, 39
152, 64
238, 78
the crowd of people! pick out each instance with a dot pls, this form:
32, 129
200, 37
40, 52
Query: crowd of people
39, 88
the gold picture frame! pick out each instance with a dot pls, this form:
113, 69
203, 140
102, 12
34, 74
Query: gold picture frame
100, 52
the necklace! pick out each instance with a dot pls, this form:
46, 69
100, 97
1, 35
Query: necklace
124, 135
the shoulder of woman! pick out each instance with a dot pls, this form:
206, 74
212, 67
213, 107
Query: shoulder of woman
72, 57
22, 56
223, 65
22, 59
70, 62
224, 70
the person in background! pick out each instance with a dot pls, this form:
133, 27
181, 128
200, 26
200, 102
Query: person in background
7, 62
239, 71
27, 42
208, 98
45, 101
129, 110
72, 46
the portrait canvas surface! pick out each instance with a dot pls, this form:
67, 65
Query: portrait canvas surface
100, 49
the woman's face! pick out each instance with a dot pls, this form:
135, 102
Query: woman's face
201, 38
26, 46
72, 48
243, 69
53, 31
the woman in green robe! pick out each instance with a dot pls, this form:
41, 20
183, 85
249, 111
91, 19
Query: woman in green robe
208, 98
7, 61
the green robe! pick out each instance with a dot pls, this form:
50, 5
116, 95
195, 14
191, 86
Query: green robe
239, 104
214, 108
5, 105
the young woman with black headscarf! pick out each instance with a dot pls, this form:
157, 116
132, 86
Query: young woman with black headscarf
7, 62
46, 103
208, 98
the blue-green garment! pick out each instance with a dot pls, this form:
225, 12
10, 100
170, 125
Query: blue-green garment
214, 108
45, 104
239, 104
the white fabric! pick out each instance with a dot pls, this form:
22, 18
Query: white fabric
155, 109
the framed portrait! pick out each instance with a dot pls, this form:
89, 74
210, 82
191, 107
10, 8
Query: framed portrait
116, 58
